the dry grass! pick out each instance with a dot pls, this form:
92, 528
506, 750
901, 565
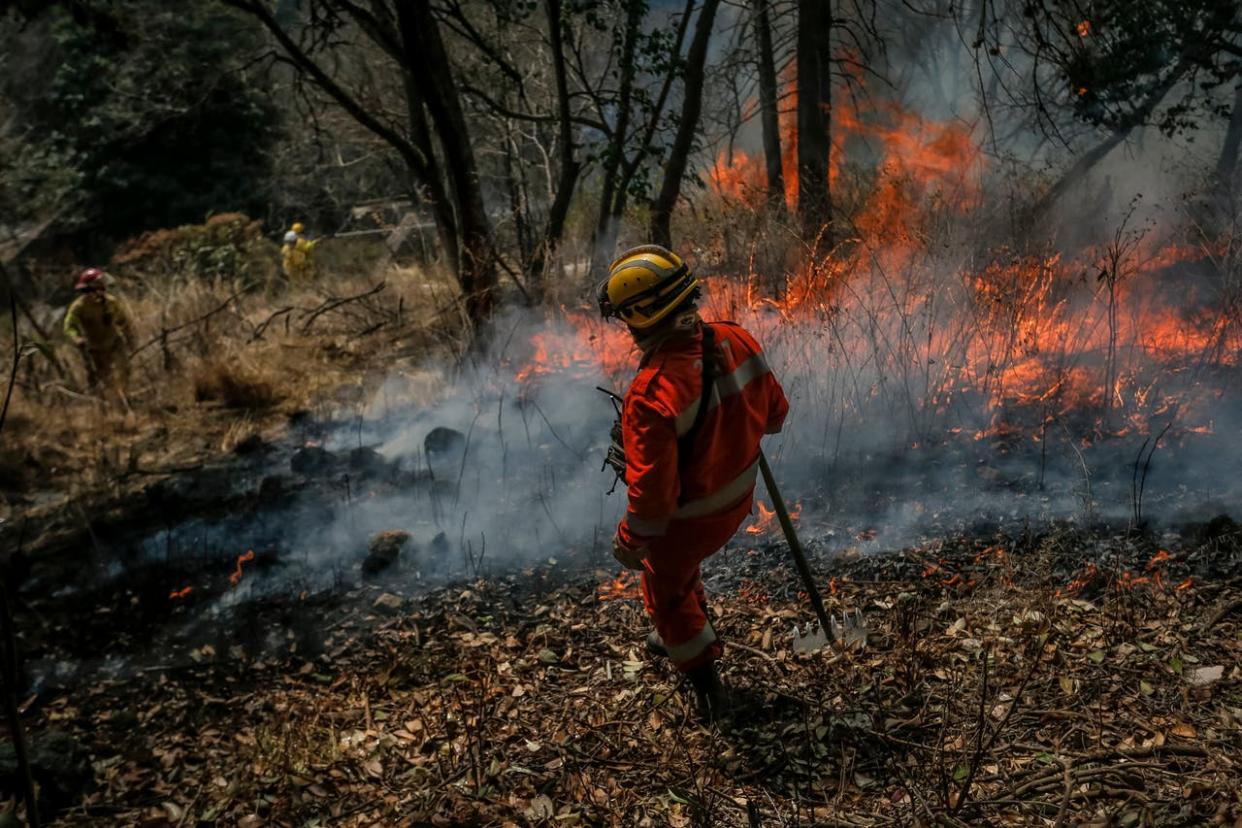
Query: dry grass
216, 360
235, 382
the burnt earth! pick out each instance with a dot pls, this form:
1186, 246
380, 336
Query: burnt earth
997, 669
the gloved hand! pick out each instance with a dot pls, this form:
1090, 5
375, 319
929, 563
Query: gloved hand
628, 556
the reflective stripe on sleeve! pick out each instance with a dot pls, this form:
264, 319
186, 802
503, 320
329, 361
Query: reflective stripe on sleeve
645, 527
726, 386
694, 647
727, 494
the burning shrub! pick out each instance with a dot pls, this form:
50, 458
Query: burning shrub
234, 383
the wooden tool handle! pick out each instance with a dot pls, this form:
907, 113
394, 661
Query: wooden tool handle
795, 547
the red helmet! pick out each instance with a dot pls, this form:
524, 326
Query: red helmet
90, 279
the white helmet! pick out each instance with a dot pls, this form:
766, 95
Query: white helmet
290, 237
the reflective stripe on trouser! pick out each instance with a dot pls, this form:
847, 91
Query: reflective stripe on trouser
673, 590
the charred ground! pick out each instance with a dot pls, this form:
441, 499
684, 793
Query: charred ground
1011, 677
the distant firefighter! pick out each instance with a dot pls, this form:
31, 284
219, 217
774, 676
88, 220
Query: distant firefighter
296, 254
98, 324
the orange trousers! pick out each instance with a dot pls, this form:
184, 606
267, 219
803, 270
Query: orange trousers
673, 587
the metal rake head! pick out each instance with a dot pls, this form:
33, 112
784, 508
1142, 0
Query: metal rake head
846, 632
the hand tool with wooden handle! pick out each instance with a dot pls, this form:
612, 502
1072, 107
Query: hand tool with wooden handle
851, 630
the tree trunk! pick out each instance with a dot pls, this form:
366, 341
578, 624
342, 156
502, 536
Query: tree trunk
433, 77
432, 182
567, 180
692, 106
519, 204
606, 227
1227, 164
463, 227
768, 113
814, 62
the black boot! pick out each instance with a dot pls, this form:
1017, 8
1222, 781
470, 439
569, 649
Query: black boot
709, 692
655, 645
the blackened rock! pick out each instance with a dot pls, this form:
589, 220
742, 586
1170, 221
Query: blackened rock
254, 444
368, 462
441, 440
440, 545
384, 551
60, 765
312, 460
444, 448
1217, 528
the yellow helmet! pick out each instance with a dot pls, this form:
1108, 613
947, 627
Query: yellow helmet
297, 228
644, 285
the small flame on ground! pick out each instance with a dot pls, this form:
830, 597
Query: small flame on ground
1081, 582
625, 586
1160, 557
1084, 28
992, 551
236, 577
178, 594
767, 517
751, 593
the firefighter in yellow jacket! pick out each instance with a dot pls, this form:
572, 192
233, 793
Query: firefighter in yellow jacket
98, 324
295, 254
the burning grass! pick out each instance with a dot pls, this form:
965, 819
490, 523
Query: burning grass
526, 700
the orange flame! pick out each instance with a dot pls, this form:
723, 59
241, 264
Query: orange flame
1039, 333
1084, 28
1082, 581
626, 585
590, 346
1185, 585
751, 593
765, 522
236, 577
1160, 557
178, 594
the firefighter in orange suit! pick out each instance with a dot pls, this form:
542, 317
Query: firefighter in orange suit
691, 424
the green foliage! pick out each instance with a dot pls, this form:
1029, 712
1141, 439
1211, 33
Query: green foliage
145, 119
229, 245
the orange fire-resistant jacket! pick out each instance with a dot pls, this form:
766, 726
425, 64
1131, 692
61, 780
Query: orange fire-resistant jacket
660, 407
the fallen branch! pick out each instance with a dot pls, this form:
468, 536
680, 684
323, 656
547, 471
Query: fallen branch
1220, 614
333, 304
262, 327
164, 333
